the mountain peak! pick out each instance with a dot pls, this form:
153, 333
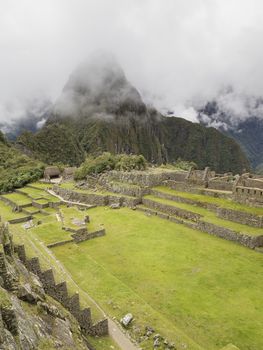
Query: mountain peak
99, 85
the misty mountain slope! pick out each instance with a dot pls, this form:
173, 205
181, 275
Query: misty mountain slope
207, 146
250, 136
248, 132
54, 143
99, 110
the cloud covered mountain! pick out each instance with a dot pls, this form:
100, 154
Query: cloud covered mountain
240, 116
99, 110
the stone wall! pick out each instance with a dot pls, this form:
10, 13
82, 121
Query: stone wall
182, 186
13, 204
40, 205
199, 177
19, 220
255, 183
248, 195
87, 198
222, 232
144, 178
241, 217
171, 210
59, 292
96, 199
220, 185
125, 189
179, 199
80, 237
230, 235
60, 243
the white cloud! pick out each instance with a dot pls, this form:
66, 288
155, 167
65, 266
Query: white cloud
177, 50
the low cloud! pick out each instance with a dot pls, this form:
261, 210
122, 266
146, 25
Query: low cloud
178, 54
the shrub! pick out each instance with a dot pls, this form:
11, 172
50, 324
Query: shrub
107, 161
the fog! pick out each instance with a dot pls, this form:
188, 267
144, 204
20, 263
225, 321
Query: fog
178, 54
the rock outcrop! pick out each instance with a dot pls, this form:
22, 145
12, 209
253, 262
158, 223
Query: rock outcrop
29, 318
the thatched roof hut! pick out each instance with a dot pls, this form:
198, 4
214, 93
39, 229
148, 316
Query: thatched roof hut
51, 172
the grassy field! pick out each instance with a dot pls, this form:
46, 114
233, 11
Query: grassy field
7, 214
210, 216
41, 185
18, 198
32, 192
221, 202
50, 232
172, 278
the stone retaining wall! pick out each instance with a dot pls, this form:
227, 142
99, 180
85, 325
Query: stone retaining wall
59, 292
40, 205
60, 243
222, 232
220, 185
171, 210
81, 237
96, 199
125, 189
18, 220
143, 178
179, 199
184, 187
230, 235
87, 198
13, 204
241, 217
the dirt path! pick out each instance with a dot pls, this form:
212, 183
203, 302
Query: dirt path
88, 206
115, 332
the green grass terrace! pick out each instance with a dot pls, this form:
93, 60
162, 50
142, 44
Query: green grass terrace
200, 291
221, 202
209, 216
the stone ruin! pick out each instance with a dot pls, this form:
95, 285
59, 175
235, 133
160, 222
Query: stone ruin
248, 188
58, 291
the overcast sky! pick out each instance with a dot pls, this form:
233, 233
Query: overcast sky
173, 51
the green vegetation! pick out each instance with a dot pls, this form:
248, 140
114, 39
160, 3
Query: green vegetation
108, 161
4, 298
179, 164
51, 232
16, 169
40, 185
161, 272
33, 192
55, 143
171, 277
209, 216
221, 202
7, 213
17, 198
68, 139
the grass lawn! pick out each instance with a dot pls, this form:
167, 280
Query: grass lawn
221, 202
41, 185
172, 278
7, 214
50, 232
210, 216
33, 192
18, 198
